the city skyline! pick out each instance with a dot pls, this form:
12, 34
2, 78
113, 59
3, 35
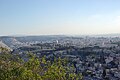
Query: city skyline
63, 17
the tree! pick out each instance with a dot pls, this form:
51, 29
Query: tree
13, 67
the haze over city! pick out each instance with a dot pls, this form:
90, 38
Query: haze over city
54, 17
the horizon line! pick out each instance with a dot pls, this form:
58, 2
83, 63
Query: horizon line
20, 35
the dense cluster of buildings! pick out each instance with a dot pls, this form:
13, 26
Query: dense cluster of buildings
97, 58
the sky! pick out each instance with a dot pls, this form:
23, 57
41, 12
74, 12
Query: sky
59, 17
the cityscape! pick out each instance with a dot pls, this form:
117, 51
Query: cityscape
96, 58
59, 39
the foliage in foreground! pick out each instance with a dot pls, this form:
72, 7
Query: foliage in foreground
12, 67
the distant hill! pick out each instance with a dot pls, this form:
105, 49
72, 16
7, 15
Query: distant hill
108, 35
4, 45
39, 38
11, 42
16, 42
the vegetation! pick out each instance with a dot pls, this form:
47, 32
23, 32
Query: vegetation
12, 67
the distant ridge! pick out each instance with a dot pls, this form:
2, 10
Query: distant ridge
77, 35
4, 45
98, 35
108, 35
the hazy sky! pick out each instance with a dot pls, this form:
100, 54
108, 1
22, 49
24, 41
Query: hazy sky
40, 17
